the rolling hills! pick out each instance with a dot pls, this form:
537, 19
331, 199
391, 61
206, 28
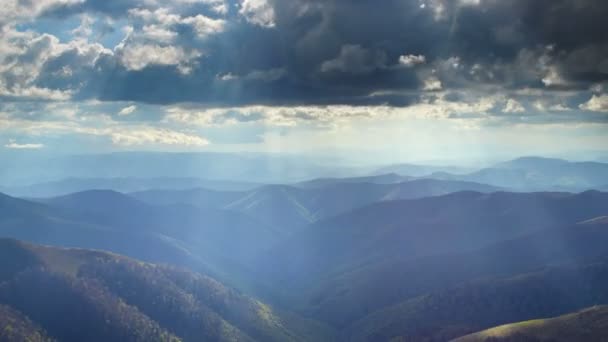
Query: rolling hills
537, 174
371, 258
410, 229
288, 208
481, 304
351, 295
214, 241
78, 295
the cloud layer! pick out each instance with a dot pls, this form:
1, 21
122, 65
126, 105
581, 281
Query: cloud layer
284, 63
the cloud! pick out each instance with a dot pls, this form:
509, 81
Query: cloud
156, 136
432, 84
300, 52
411, 60
597, 103
12, 144
269, 75
513, 106
127, 110
280, 116
138, 57
258, 12
354, 59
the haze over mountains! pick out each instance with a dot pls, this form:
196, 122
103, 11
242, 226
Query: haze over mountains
131, 172
373, 257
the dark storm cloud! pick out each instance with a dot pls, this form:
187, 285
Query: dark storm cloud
338, 51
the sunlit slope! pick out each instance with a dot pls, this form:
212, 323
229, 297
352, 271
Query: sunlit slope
587, 325
15, 327
68, 291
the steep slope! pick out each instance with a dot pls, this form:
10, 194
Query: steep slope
451, 313
86, 295
277, 205
15, 327
416, 228
352, 295
586, 325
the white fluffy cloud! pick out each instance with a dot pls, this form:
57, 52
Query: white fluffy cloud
138, 56
127, 110
162, 19
23, 56
155, 136
597, 103
411, 60
513, 106
12, 11
258, 12
432, 84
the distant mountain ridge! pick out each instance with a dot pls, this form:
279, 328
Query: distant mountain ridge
538, 174
132, 184
291, 207
236, 167
409, 229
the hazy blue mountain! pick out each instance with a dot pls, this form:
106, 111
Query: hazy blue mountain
40, 223
535, 173
281, 206
351, 295
206, 231
366, 271
289, 208
447, 314
389, 178
414, 170
216, 241
202, 197
84, 295
411, 229
245, 167
71, 185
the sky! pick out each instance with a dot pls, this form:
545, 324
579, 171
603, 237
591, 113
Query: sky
379, 80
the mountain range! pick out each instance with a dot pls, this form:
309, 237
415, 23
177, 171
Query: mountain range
141, 171
291, 207
537, 174
366, 258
